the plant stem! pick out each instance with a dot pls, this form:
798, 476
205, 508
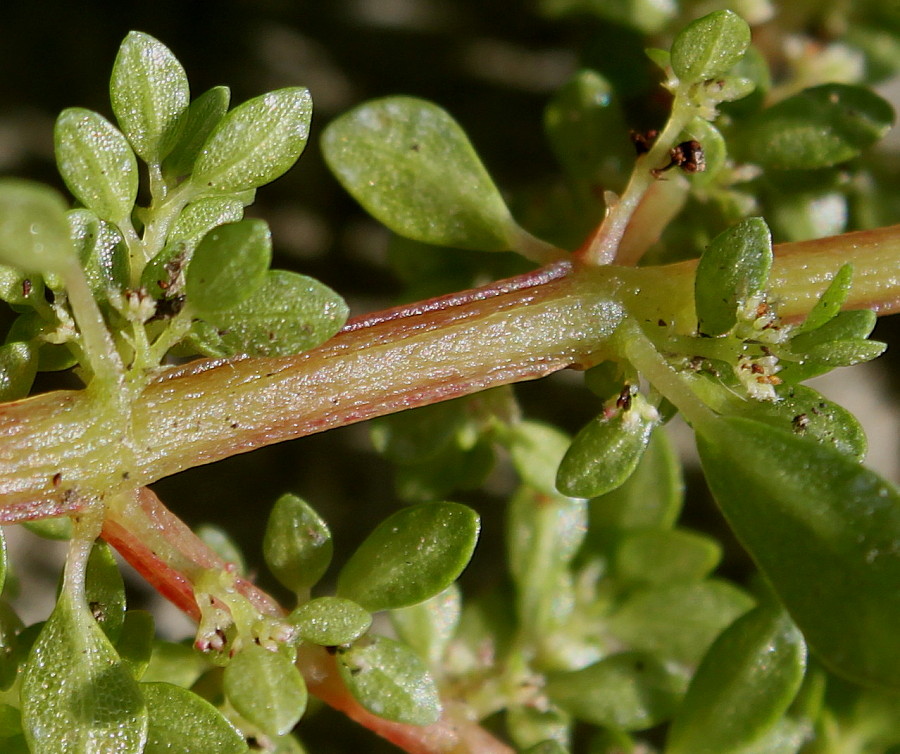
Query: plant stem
521, 329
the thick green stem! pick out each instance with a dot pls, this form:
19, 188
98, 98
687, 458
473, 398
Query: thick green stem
58, 451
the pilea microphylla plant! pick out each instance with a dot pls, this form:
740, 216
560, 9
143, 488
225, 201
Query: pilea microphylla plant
614, 634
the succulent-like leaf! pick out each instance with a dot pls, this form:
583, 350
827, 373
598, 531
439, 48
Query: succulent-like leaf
18, 368
388, 679
709, 46
77, 694
34, 233
181, 721
743, 685
97, 164
255, 143
411, 556
265, 688
105, 591
331, 621
412, 167
203, 115
297, 545
733, 268
149, 94
810, 515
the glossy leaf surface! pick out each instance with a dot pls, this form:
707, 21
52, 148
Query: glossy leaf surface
412, 167
103, 255
331, 621
428, 626
743, 686
297, 545
229, 264
18, 367
809, 515
77, 695
831, 300
389, 680
286, 314
105, 590
203, 115
709, 46
149, 94
606, 452
411, 556
255, 143
182, 722
265, 688
733, 268
97, 163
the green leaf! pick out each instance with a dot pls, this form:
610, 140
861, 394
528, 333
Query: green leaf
31, 328
660, 556
809, 516
709, 46
715, 153
650, 498
606, 452
77, 695
18, 367
51, 528
149, 94
11, 653
420, 434
678, 622
289, 313
388, 679
744, 685
228, 266
203, 115
587, 131
297, 545
4, 563
97, 164
830, 302
34, 234
626, 691
413, 168
819, 127
10, 722
135, 643
540, 730
411, 556
428, 627
255, 143
733, 269
19, 289
201, 216
547, 747
331, 621
266, 688
103, 254
105, 590
183, 723
839, 342
805, 412
850, 325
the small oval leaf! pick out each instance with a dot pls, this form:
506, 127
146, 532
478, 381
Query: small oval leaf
733, 268
413, 168
255, 143
182, 722
817, 128
388, 679
266, 688
149, 94
709, 46
606, 452
297, 545
289, 313
105, 590
411, 556
331, 621
228, 265
743, 686
428, 627
97, 163
18, 368
103, 254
